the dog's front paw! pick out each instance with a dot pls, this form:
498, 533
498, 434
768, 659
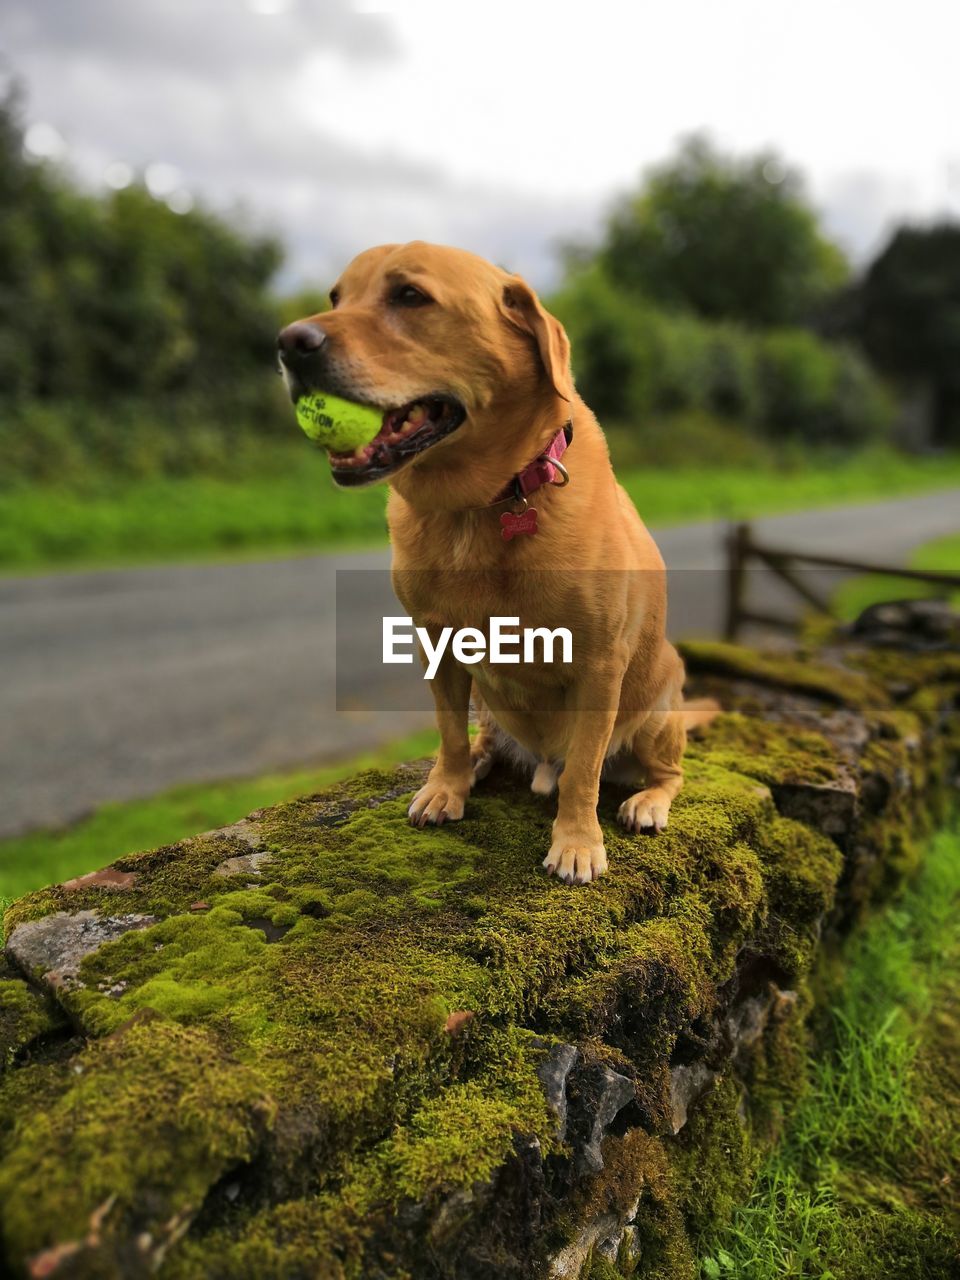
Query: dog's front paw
439, 800
576, 857
645, 811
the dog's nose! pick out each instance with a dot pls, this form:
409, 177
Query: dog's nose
300, 340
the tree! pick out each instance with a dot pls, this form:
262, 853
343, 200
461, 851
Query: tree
118, 295
726, 238
22, 196
907, 314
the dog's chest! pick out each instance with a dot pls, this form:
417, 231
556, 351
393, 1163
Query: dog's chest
470, 598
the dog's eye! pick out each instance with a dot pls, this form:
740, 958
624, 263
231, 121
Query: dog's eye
408, 295
334, 297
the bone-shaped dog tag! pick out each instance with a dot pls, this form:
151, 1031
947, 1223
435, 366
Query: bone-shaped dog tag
512, 524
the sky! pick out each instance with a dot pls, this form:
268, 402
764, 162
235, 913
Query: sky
505, 128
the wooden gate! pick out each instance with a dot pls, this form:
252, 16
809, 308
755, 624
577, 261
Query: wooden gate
742, 549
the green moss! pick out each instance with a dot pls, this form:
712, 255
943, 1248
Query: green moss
184, 967
773, 1074
317, 988
661, 1241
648, 988
24, 1016
801, 869
713, 1160
887, 666
150, 1117
842, 686
601, 1269
772, 753
458, 1139
319, 1236
452, 1142
927, 702
296, 1009
374, 852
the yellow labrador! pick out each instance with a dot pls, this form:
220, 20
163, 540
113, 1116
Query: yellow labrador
482, 425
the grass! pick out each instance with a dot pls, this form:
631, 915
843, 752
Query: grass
719, 492
863, 1184
852, 597
46, 857
293, 506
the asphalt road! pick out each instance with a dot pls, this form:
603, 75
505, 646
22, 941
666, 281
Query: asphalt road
117, 684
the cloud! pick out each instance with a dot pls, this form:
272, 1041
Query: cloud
861, 208
215, 89
338, 129
222, 39
519, 233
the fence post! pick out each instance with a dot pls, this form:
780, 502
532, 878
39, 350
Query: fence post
738, 549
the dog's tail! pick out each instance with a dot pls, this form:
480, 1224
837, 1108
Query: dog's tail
699, 712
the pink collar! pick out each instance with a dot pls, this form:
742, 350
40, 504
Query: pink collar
541, 470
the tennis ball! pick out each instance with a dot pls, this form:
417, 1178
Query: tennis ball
338, 425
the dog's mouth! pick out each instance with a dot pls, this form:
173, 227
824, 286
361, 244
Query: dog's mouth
404, 433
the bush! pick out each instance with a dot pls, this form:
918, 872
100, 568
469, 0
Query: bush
864, 408
613, 356
821, 393
689, 437
798, 375
732, 374
633, 361
75, 444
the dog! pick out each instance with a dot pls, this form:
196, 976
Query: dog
503, 502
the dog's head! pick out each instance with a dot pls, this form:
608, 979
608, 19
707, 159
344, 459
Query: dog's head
459, 355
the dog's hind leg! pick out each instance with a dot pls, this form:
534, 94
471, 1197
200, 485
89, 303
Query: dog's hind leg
491, 743
657, 749
698, 713
483, 746
544, 781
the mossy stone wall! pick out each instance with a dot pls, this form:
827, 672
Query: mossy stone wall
320, 1043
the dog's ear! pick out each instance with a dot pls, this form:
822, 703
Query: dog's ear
524, 309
